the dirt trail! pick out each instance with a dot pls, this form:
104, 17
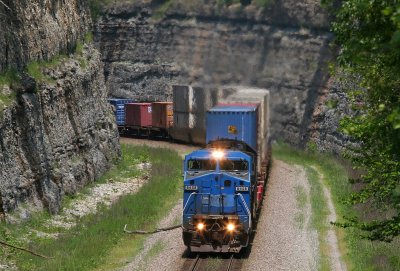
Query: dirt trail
333, 245
163, 250
284, 239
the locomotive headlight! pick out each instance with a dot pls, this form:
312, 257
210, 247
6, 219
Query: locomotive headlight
200, 226
218, 154
230, 227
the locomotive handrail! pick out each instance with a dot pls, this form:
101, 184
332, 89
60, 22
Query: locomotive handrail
184, 208
246, 207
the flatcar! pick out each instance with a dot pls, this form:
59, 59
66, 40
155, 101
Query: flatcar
224, 182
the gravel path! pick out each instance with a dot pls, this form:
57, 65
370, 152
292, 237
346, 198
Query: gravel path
284, 239
163, 250
336, 262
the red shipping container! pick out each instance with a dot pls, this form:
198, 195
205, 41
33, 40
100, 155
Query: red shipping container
138, 114
162, 114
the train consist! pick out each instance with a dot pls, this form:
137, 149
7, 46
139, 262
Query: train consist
224, 182
143, 119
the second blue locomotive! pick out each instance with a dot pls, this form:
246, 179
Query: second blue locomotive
224, 182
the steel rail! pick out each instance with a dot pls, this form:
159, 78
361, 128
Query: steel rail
230, 264
195, 264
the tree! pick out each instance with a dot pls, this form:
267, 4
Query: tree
368, 32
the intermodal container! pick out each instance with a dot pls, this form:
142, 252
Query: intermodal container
238, 122
119, 109
138, 114
162, 114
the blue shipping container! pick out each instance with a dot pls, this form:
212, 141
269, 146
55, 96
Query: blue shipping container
119, 105
233, 122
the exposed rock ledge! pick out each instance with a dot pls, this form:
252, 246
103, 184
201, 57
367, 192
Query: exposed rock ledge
57, 138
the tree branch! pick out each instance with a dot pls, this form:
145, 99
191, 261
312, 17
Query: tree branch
5, 5
24, 249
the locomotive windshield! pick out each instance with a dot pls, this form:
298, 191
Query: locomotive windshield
201, 164
234, 165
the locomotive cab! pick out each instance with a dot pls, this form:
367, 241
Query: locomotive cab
218, 204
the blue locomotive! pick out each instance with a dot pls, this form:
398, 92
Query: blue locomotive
224, 182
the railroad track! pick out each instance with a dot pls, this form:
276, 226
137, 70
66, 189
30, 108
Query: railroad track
210, 262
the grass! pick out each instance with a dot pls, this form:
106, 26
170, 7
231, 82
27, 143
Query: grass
159, 13
155, 250
264, 3
96, 7
7, 78
359, 254
302, 200
319, 215
99, 237
34, 68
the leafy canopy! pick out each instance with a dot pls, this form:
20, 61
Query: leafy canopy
368, 32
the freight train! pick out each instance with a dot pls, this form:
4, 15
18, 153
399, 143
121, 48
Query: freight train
223, 186
224, 182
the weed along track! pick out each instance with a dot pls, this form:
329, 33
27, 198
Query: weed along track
204, 262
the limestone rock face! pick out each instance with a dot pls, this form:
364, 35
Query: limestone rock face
36, 30
284, 48
57, 139
58, 133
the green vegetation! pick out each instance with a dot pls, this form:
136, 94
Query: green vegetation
34, 68
159, 13
359, 253
368, 33
88, 38
332, 104
8, 77
264, 3
7, 96
96, 6
302, 199
99, 237
155, 250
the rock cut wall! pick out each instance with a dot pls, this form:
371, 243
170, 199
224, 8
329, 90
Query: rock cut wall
37, 30
59, 132
284, 48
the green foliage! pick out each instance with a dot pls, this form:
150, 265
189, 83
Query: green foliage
96, 8
34, 70
264, 3
7, 96
332, 104
88, 37
8, 77
79, 47
159, 13
369, 35
88, 245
